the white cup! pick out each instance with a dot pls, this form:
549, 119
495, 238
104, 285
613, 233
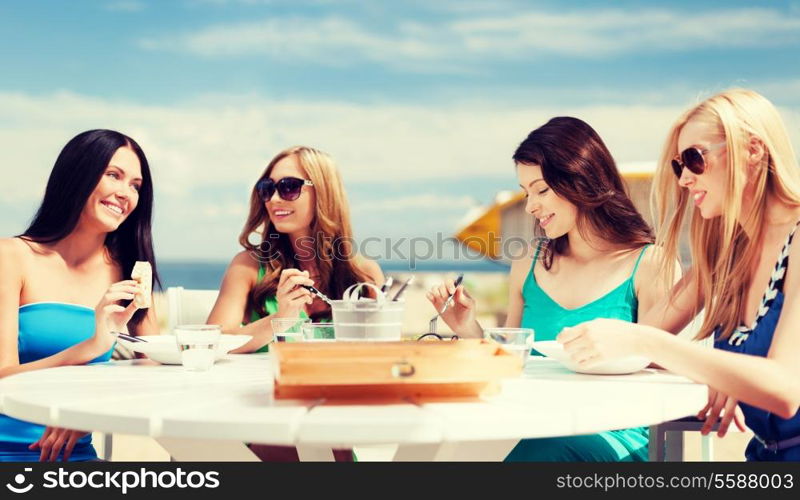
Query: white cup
198, 345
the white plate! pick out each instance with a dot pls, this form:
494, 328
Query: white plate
631, 364
164, 349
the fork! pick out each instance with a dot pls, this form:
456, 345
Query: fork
433, 323
129, 338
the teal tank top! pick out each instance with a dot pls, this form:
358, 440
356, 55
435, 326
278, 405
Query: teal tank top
46, 328
547, 318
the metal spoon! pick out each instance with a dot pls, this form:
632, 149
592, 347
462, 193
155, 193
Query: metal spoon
318, 294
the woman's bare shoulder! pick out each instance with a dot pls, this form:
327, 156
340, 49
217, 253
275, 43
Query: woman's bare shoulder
521, 264
371, 268
245, 259
17, 250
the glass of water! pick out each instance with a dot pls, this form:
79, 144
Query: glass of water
518, 341
318, 332
198, 345
288, 329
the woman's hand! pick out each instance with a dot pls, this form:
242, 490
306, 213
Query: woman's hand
53, 440
599, 340
290, 295
720, 403
112, 317
460, 314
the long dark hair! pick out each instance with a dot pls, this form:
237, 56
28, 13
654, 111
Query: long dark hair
577, 166
77, 171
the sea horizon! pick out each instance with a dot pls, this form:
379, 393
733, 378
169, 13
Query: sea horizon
207, 274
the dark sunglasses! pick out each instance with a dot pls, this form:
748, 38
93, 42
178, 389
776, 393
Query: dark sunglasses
288, 188
694, 159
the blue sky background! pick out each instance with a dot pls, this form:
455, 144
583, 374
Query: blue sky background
421, 103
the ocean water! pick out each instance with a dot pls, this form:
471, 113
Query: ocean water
208, 275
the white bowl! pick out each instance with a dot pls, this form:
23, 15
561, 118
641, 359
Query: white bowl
164, 349
631, 364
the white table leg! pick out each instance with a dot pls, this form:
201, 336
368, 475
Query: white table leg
308, 453
207, 450
450, 451
375, 452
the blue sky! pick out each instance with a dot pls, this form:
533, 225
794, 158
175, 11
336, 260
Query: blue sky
421, 103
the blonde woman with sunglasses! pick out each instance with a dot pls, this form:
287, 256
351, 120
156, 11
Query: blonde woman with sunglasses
728, 164
300, 221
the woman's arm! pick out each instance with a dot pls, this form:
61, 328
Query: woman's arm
766, 382
231, 305
516, 279
770, 383
669, 311
10, 288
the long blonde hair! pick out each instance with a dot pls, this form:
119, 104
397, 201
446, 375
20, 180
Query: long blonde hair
331, 232
725, 248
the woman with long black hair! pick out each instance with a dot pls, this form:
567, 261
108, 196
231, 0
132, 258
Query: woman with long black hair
63, 286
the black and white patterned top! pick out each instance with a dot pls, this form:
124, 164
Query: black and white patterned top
775, 285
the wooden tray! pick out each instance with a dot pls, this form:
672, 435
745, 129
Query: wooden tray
358, 370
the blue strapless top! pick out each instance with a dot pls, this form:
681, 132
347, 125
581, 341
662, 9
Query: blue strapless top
46, 328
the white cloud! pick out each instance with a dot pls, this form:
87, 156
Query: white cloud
206, 153
452, 44
333, 40
614, 31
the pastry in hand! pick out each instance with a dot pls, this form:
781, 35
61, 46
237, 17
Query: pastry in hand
143, 273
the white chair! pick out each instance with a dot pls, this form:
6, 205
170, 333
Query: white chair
188, 306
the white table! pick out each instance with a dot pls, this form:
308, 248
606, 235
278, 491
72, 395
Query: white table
209, 415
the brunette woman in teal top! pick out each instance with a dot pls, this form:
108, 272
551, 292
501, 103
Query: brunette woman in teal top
593, 260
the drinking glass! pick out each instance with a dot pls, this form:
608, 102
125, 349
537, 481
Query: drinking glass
288, 329
516, 341
198, 345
